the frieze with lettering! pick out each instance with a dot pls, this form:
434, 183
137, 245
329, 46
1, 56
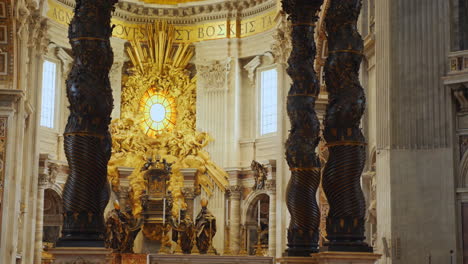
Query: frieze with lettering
184, 33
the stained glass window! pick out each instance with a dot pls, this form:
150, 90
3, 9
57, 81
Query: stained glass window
269, 101
159, 112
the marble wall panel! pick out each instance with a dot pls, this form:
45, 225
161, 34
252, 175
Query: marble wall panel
6, 42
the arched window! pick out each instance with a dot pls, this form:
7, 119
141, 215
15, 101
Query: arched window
268, 101
49, 86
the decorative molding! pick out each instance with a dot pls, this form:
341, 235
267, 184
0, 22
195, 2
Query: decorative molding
251, 68
235, 192
7, 45
281, 47
9, 97
66, 60
213, 77
189, 193
270, 186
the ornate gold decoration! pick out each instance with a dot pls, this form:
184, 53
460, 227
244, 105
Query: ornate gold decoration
160, 68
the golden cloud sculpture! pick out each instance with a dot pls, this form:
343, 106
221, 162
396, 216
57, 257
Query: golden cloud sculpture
158, 117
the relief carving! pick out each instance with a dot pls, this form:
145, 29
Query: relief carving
282, 46
213, 77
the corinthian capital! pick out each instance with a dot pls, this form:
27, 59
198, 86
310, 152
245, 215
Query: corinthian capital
235, 192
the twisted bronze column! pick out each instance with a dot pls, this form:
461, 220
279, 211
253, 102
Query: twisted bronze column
303, 231
346, 143
87, 139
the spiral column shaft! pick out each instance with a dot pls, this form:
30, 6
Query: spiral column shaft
303, 231
346, 143
87, 140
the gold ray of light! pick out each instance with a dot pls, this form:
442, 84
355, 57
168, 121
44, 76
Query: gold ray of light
160, 75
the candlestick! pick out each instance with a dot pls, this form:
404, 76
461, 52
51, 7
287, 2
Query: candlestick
227, 212
179, 216
258, 205
164, 211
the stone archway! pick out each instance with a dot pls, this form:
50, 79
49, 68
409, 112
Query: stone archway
254, 223
463, 171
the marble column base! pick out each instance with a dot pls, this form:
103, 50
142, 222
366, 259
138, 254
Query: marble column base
333, 258
66, 255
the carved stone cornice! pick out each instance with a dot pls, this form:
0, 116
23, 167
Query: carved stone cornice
251, 67
9, 97
186, 14
66, 60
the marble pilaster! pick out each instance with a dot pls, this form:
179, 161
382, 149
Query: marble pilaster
271, 190
115, 74
11, 107
414, 133
42, 183
234, 221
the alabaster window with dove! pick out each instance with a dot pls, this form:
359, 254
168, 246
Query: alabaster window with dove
159, 110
